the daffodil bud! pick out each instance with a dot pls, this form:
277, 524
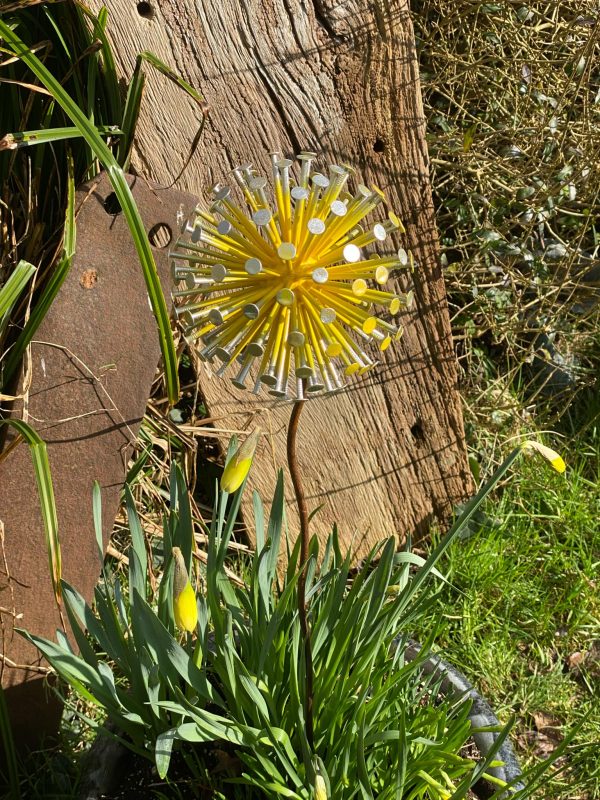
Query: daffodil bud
550, 455
320, 788
184, 597
238, 466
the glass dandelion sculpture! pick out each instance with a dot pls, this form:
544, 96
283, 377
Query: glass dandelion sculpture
282, 294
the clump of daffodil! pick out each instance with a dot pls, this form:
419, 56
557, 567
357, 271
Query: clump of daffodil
287, 287
548, 453
238, 466
185, 608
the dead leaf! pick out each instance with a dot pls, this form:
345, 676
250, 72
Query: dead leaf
225, 762
539, 744
574, 660
547, 724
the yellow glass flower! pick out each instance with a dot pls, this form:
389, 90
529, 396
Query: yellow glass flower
238, 466
289, 287
185, 607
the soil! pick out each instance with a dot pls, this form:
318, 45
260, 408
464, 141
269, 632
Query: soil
139, 780
114, 773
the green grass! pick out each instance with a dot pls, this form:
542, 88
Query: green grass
524, 604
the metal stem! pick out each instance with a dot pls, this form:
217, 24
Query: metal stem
304, 541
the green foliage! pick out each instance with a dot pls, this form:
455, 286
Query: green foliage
381, 728
50, 290
43, 477
13, 287
34, 216
521, 615
117, 177
77, 85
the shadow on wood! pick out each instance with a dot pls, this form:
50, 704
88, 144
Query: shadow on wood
341, 78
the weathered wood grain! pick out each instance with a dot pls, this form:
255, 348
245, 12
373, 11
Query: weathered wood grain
342, 79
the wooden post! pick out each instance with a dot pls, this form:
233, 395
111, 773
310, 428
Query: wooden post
388, 456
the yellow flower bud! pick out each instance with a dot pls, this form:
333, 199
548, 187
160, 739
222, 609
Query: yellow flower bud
550, 455
320, 788
238, 466
184, 597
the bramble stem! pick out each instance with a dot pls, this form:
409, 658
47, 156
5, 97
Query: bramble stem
302, 610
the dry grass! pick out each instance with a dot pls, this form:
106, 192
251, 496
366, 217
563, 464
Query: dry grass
512, 95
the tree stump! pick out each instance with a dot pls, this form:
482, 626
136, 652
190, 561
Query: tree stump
388, 455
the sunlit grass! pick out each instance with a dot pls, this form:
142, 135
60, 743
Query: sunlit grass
522, 613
